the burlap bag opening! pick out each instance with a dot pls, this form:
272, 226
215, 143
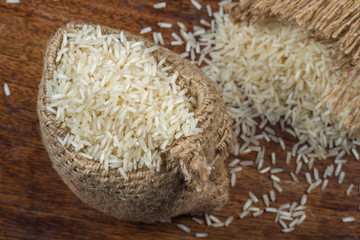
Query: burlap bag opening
329, 20
193, 178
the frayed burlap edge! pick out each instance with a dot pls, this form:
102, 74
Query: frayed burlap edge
193, 178
333, 20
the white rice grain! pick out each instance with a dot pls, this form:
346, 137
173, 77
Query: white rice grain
247, 163
288, 158
348, 219
277, 187
308, 178
207, 219
349, 189
214, 219
196, 4
201, 235
159, 5
233, 180
209, 10
218, 225
197, 220
272, 195
123, 174
228, 221
324, 185
6, 89
355, 153
294, 178
247, 204
303, 199
276, 170
258, 213
341, 177
243, 214
164, 25
145, 30
234, 162
266, 200
271, 210
275, 178
183, 227
253, 197
262, 171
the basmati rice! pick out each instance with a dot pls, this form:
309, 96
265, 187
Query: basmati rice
207, 219
275, 178
276, 170
258, 213
253, 197
196, 4
243, 214
209, 10
145, 30
121, 129
303, 199
272, 195
228, 221
201, 235
288, 158
159, 5
308, 178
183, 227
341, 178
293, 176
197, 220
234, 162
271, 210
247, 204
266, 200
6, 89
277, 187
264, 170
246, 163
349, 189
217, 225
348, 219
324, 185
233, 180
273, 159
164, 25
214, 219
355, 153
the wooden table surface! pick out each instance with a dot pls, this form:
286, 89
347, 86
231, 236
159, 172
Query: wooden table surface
34, 202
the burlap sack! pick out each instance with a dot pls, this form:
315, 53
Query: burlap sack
330, 20
192, 179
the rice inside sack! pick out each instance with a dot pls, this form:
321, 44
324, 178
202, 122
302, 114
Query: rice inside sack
122, 107
191, 177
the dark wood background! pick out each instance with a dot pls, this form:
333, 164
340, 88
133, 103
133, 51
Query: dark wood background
35, 204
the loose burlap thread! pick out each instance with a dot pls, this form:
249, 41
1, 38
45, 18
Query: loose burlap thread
192, 179
330, 20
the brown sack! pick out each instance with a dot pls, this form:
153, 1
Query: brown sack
192, 179
332, 20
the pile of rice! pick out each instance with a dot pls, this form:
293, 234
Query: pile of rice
122, 107
284, 74
272, 73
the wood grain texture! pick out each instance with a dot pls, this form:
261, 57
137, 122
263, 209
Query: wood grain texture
34, 202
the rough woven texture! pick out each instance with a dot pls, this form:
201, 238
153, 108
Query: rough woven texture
333, 20
183, 186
